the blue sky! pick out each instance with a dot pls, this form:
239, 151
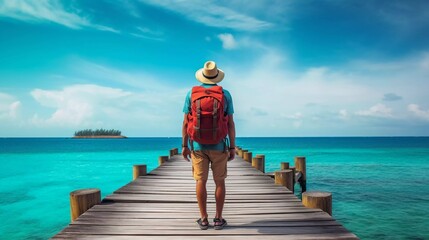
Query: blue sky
294, 68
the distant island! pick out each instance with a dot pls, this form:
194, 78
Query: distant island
98, 133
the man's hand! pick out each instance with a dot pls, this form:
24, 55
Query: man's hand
186, 153
231, 154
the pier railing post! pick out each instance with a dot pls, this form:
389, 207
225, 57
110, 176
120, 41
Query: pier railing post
82, 200
247, 156
237, 149
242, 153
321, 200
258, 162
285, 178
174, 151
139, 170
284, 165
301, 168
162, 160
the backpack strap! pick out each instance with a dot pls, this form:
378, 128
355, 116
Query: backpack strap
197, 128
215, 116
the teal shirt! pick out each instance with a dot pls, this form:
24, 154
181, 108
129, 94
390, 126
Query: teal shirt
229, 109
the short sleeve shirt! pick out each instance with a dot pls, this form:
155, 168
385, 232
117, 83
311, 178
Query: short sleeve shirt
229, 109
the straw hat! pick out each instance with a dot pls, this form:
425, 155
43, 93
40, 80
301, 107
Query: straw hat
209, 74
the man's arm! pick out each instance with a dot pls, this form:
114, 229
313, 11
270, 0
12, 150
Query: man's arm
231, 134
185, 148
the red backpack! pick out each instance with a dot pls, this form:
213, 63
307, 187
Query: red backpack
207, 121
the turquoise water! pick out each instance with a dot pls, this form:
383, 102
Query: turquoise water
380, 185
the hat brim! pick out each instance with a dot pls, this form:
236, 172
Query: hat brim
200, 77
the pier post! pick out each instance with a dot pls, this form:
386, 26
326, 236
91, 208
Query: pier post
260, 155
82, 200
294, 174
242, 153
258, 162
285, 178
162, 160
173, 151
237, 150
139, 170
300, 168
284, 165
321, 200
247, 156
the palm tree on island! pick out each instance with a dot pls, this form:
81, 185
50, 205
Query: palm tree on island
98, 133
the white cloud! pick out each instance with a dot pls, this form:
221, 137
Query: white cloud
271, 84
378, 110
297, 119
79, 104
415, 109
139, 111
138, 80
150, 34
212, 14
425, 61
47, 11
228, 41
9, 107
343, 114
295, 116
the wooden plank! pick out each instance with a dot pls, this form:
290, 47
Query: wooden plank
162, 205
231, 230
319, 236
172, 223
300, 216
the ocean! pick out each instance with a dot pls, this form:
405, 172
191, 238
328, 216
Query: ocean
380, 185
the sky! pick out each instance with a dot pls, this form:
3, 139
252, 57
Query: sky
294, 68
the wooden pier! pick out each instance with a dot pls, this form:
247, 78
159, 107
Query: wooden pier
162, 205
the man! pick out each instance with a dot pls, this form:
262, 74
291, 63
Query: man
209, 146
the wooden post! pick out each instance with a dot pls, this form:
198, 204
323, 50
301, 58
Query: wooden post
284, 165
237, 150
242, 153
262, 156
173, 151
259, 163
263, 159
82, 200
294, 174
321, 200
139, 170
162, 160
247, 156
300, 167
285, 178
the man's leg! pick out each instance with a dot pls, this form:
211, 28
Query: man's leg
220, 197
202, 197
219, 168
200, 169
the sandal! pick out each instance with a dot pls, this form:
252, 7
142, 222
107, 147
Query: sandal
203, 223
219, 223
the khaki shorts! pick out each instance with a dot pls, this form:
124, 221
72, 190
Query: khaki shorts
201, 160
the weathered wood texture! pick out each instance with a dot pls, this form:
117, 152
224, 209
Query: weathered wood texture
320, 200
258, 162
162, 205
82, 200
139, 170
